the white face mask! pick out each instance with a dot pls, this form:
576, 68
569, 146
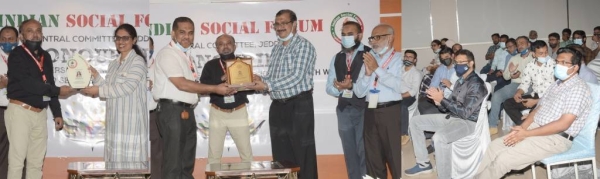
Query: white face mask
532, 40
578, 41
182, 48
502, 44
384, 49
348, 41
286, 38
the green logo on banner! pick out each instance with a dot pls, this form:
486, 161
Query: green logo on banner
336, 24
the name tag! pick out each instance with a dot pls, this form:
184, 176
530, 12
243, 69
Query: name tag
373, 98
46, 98
229, 99
347, 94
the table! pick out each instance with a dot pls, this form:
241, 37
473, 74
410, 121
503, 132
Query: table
101, 169
252, 170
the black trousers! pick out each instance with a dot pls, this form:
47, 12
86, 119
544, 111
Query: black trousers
404, 115
156, 147
179, 139
513, 110
292, 125
382, 141
4, 147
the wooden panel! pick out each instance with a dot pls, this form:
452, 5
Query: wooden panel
390, 6
395, 22
329, 166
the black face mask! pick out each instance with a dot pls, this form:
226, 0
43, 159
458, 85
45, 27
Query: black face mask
33, 45
227, 56
446, 61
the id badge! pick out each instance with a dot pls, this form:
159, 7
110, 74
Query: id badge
46, 98
373, 98
229, 99
347, 94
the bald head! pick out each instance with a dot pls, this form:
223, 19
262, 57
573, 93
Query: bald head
381, 38
31, 30
225, 44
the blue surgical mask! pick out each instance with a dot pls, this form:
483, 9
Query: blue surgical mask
461, 69
514, 53
542, 59
348, 41
524, 52
182, 48
7, 47
560, 72
286, 38
578, 41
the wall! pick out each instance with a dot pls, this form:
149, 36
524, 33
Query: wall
443, 19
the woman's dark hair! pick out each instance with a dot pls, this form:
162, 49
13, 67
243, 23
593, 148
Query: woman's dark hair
133, 34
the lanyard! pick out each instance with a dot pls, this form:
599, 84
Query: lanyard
348, 63
222, 67
385, 64
191, 63
40, 64
4, 59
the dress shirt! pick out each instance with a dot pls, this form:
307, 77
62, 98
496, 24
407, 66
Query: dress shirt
389, 78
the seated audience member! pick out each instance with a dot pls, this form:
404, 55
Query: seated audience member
411, 79
463, 111
441, 78
549, 129
489, 56
537, 75
519, 58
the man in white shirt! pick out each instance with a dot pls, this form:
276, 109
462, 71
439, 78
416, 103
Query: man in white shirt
411, 78
495, 73
8, 41
156, 143
176, 88
538, 75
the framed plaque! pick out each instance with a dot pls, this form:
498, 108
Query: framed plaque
78, 74
239, 73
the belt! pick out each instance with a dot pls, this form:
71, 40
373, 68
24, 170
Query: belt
567, 136
304, 93
387, 104
25, 105
228, 110
179, 103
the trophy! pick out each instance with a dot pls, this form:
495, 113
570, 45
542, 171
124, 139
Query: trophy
78, 74
239, 73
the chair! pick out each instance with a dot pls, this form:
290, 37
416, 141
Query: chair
584, 147
468, 151
507, 123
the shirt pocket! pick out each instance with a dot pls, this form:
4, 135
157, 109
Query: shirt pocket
121, 77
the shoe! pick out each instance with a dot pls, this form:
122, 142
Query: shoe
405, 139
419, 169
493, 130
430, 148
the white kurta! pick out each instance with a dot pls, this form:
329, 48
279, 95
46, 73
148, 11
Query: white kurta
124, 89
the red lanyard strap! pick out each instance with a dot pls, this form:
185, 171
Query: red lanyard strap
191, 63
385, 64
5, 60
222, 67
40, 64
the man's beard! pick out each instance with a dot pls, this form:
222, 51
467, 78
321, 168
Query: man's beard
227, 56
356, 45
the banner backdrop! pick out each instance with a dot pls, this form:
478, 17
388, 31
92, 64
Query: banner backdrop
250, 24
85, 27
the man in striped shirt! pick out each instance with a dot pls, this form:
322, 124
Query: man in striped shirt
289, 82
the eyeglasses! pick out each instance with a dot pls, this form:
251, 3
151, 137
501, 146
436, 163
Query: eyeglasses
377, 37
597, 35
564, 63
123, 38
280, 24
